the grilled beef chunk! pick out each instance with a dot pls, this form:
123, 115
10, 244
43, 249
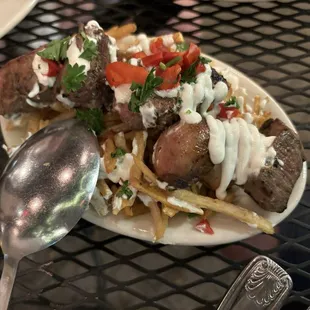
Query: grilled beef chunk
181, 154
273, 186
16, 81
165, 111
217, 77
94, 93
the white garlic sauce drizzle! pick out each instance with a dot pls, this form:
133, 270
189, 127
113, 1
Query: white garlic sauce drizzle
241, 150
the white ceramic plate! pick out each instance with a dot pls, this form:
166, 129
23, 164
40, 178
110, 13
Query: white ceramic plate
181, 229
12, 12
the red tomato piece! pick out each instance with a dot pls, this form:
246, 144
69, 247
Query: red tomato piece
138, 55
227, 112
158, 46
191, 55
171, 77
152, 60
167, 56
204, 227
53, 67
200, 68
119, 73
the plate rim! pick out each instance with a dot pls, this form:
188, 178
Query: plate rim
23, 11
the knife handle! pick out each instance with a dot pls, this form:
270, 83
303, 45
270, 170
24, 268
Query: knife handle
263, 284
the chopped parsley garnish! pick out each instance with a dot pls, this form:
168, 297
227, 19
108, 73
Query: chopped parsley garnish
73, 77
232, 102
182, 47
125, 190
204, 60
119, 152
56, 50
173, 61
189, 75
140, 93
90, 48
162, 66
93, 118
188, 111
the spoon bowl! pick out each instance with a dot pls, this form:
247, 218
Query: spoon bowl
44, 191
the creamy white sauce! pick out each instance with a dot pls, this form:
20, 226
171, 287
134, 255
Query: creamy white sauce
134, 146
117, 204
240, 149
248, 117
217, 136
145, 199
35, 90
134, 61
34, 104
134, 49
194, 94
162, 185
144, 43
74, 53
244, 150
112, 49
65, 100
122, 169
168, 40
122, 93
188, 207
40, 68
169, 93
148, 113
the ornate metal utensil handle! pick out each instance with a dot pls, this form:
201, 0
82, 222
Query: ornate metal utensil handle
263, 284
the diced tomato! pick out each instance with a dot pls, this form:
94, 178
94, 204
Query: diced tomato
200, 68
152, 60
171, 77
53, 67
167, 56
191, 55
138, 55
119, 73
158, 46
204, 227
227, 112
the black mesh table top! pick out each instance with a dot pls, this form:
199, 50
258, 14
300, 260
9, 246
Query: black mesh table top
93, 268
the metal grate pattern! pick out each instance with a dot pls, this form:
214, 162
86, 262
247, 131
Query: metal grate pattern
95, 269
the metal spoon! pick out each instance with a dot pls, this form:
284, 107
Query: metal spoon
44, 190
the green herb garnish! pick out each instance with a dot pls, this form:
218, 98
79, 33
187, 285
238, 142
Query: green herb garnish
189, 75
90, 49
232, 102
162, 66
182, 47
119, 152
173, 61
140, 93
56, 50
204, 60
93, 118
188, 112
125, 190
73, 77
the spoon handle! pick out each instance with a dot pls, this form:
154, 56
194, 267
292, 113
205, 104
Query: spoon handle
263, 284
7, 280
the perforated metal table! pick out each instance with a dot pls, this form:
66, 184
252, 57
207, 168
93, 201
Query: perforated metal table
95, 269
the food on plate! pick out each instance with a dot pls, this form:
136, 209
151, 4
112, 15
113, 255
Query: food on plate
176, 134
